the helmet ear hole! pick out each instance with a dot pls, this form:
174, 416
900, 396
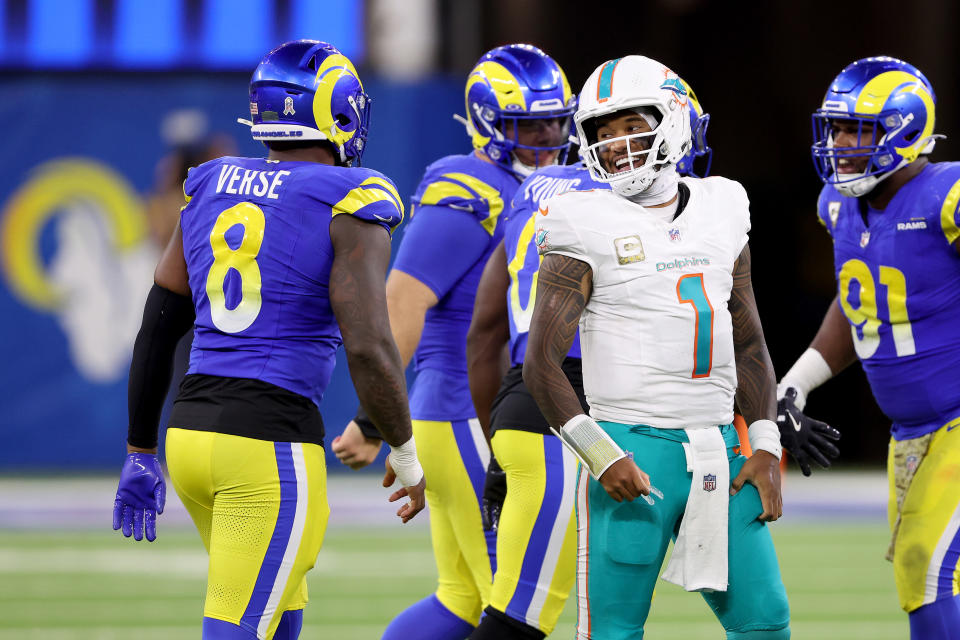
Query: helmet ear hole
910, 137
312, 64
342, 119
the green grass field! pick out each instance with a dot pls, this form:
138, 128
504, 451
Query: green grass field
97, 586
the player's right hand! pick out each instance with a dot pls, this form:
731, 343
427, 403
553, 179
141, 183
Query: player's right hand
805, 438
494, 491
624, 480
416, 494
354, 449
762, 470
140, 496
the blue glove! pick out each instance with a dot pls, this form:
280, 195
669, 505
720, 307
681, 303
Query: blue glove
140, 496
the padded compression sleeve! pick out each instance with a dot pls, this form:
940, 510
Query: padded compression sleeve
166, 317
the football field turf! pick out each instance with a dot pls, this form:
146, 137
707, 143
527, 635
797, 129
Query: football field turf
91, 584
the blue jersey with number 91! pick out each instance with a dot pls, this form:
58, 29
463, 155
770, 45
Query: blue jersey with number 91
898, 276
257, 245
520, 243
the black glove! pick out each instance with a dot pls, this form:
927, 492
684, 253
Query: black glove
804, 437
494, 491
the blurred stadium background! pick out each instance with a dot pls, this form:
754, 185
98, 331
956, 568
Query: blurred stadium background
106, 102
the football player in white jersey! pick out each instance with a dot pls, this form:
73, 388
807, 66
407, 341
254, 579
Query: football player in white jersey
656, 273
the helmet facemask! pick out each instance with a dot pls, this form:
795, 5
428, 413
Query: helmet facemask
884, 109
536, 140
629, 163
870, 154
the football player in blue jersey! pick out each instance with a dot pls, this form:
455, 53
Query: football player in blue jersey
529, 492
894, 220
275, 262
519, 107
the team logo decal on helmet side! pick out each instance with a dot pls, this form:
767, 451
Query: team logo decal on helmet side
510, 88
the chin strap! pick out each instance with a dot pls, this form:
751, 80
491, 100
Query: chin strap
521, 169
663, 187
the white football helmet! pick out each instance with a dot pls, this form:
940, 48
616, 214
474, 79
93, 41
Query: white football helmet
634, 83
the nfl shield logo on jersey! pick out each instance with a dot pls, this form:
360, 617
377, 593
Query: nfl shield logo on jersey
709, 482
864, 239
675, 235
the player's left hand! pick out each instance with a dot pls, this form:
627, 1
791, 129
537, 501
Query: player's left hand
805, 438
140, 496
762, 470
354, 449
416, 494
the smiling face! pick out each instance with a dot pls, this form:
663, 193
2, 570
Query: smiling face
853, 135
625, 132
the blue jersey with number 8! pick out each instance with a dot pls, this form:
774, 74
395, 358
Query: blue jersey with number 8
898, 279
257, 246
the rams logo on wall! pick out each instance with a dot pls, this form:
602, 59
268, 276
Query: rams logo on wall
74, 245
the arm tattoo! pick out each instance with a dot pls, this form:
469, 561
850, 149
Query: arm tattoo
563, 289
358, 298
756, 381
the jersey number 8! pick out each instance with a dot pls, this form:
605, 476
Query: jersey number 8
243, 260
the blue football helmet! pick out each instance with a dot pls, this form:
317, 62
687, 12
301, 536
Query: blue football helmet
892, 106
308, 90
700, 149
511, 84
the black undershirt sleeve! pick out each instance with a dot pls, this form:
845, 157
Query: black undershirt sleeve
367, 428
166, 317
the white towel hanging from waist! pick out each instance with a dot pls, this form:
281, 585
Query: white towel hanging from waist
699, 560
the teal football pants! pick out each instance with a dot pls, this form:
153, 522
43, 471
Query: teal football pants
622, 546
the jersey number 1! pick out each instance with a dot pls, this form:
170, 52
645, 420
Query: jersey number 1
690, 290
243, 260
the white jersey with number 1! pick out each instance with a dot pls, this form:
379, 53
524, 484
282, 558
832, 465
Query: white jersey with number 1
656, 334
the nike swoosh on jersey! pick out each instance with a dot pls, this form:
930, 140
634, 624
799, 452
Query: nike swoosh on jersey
381, 218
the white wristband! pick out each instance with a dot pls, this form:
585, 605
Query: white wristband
807, 373
403, 460
590, 443
765, 436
